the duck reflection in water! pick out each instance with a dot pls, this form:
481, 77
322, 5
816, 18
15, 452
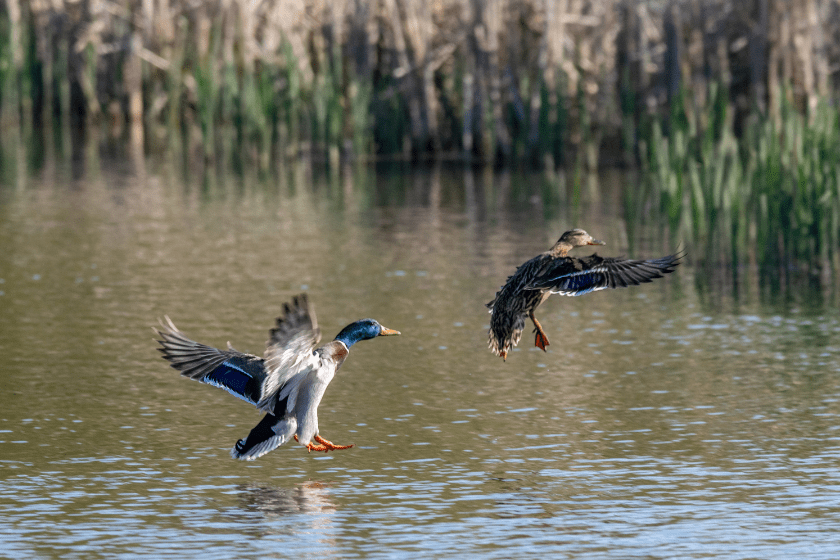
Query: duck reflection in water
554, 272
288, 383
309, 497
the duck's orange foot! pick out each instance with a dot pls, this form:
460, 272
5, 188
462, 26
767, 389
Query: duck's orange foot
540, 340
325, 445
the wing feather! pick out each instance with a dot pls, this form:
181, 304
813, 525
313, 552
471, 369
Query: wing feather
238, 373
289, 348
581, 276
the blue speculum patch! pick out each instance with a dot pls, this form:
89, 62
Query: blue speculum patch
230, 377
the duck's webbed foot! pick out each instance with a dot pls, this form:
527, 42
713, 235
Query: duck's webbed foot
540, 339
325, 445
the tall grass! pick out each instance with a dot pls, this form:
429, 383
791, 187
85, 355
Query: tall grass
772, 196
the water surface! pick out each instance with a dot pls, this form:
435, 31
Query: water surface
676, 419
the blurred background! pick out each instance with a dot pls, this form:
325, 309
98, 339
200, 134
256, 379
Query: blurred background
726, 110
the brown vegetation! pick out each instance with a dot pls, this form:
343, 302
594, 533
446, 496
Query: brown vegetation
500, 80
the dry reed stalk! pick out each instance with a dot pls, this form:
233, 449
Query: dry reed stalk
419, 33
535, 95
556, 60
134, 84
468, 109
759, 57
404, 74
46, 54
11, 91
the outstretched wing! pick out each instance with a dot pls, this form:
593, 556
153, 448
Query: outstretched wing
240, 374
289, 347
595, 273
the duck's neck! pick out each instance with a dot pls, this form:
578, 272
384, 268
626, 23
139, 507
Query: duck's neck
561, 249
351, 334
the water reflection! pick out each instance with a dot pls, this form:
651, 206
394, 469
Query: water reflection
309, 497
304, 511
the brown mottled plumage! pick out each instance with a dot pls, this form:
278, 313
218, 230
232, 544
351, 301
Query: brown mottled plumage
553, 272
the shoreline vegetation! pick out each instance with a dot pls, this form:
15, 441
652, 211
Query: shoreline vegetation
728, 109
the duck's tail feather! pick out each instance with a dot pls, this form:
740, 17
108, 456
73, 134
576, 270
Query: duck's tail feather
505, 332
269, 434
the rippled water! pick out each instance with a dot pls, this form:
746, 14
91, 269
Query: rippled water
669, 420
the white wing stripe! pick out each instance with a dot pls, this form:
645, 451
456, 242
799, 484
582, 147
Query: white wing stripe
579, 293
596, 270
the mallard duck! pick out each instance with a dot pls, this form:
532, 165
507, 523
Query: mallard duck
287, 383
553, 272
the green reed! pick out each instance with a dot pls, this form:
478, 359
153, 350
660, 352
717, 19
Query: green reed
796, 179
773, 193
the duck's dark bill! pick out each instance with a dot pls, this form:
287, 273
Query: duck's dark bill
388, 332
596, 242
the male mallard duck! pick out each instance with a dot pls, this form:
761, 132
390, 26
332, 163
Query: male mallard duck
287, 383
553, 272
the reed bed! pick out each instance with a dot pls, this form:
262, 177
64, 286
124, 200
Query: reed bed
540, 81
771, 197
727, 107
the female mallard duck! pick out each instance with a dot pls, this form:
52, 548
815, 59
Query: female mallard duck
553, 272
287, 383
